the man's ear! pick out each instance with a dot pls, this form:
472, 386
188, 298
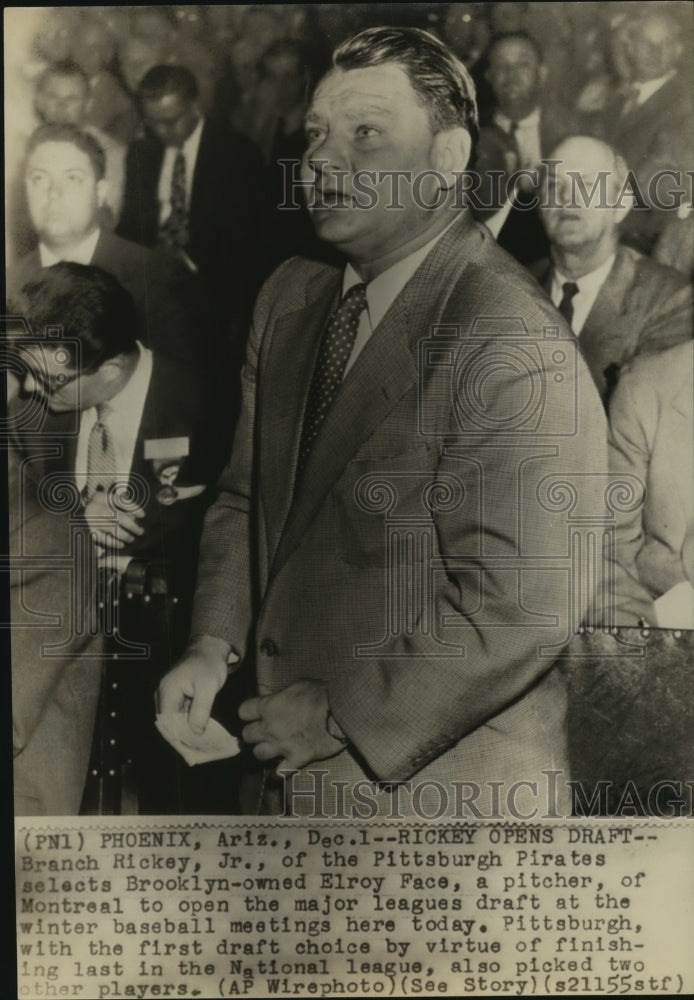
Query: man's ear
112, 369
451, 153
101, 192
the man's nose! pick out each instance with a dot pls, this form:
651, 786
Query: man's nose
55, 190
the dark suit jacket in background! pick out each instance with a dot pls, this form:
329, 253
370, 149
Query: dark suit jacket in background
642, 307
297, 585
227, 215
167, 297
653, 136
522, 234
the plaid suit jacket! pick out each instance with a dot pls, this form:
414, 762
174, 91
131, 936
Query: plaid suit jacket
422, 570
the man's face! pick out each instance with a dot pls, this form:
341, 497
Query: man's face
284, 79
515, 75
62, 100
50, 376
582, 221
63, 193
653, 49
171, 117
367, 120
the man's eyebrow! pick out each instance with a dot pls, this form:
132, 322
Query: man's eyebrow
354, 113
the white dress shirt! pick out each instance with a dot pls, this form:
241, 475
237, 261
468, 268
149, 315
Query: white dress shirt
80, 254
589, 286
642, 91
123, 420
382, 292
190, 153
527, 136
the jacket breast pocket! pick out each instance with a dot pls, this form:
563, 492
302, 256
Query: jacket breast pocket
384, 507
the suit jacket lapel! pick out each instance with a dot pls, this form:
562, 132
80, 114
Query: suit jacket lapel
289, 356
381, 375
602, 329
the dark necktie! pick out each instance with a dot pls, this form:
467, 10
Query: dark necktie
565, 307
173, 232
101, 455
335, 349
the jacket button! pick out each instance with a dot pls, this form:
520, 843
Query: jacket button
268, 647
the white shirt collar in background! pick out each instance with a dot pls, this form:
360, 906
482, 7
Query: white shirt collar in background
650, 87
589, 286
82, 253
527, 136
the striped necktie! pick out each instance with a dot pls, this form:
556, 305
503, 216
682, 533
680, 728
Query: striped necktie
101, 455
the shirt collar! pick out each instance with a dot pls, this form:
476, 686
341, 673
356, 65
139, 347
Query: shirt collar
649, 87
382, 291
130, 396
190, 146
531, 120
81, 254
590, 282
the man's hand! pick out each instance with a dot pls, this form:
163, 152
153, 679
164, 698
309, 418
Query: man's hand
192, 685
110, 527
291, 724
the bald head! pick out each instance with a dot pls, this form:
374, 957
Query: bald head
581, 201
590, 156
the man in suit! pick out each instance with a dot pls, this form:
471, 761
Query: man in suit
521, 129
123, 431
194, 187
650, 123
66, 189
367, 551
62, 96
652, 438
617, 302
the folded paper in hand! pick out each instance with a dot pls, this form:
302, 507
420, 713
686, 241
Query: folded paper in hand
215, 743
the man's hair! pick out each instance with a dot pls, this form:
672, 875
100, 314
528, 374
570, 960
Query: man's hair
84, 141
90, 305
163, 80
65, 67
439, 79
516, 36
288, 46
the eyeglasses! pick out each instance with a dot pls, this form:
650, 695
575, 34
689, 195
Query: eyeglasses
53, 383
48, 383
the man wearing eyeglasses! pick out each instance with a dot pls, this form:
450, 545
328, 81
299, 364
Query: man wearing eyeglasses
121, 437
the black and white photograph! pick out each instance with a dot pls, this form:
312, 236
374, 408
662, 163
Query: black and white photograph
349, 440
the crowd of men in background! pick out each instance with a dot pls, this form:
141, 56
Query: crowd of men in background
166, 155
